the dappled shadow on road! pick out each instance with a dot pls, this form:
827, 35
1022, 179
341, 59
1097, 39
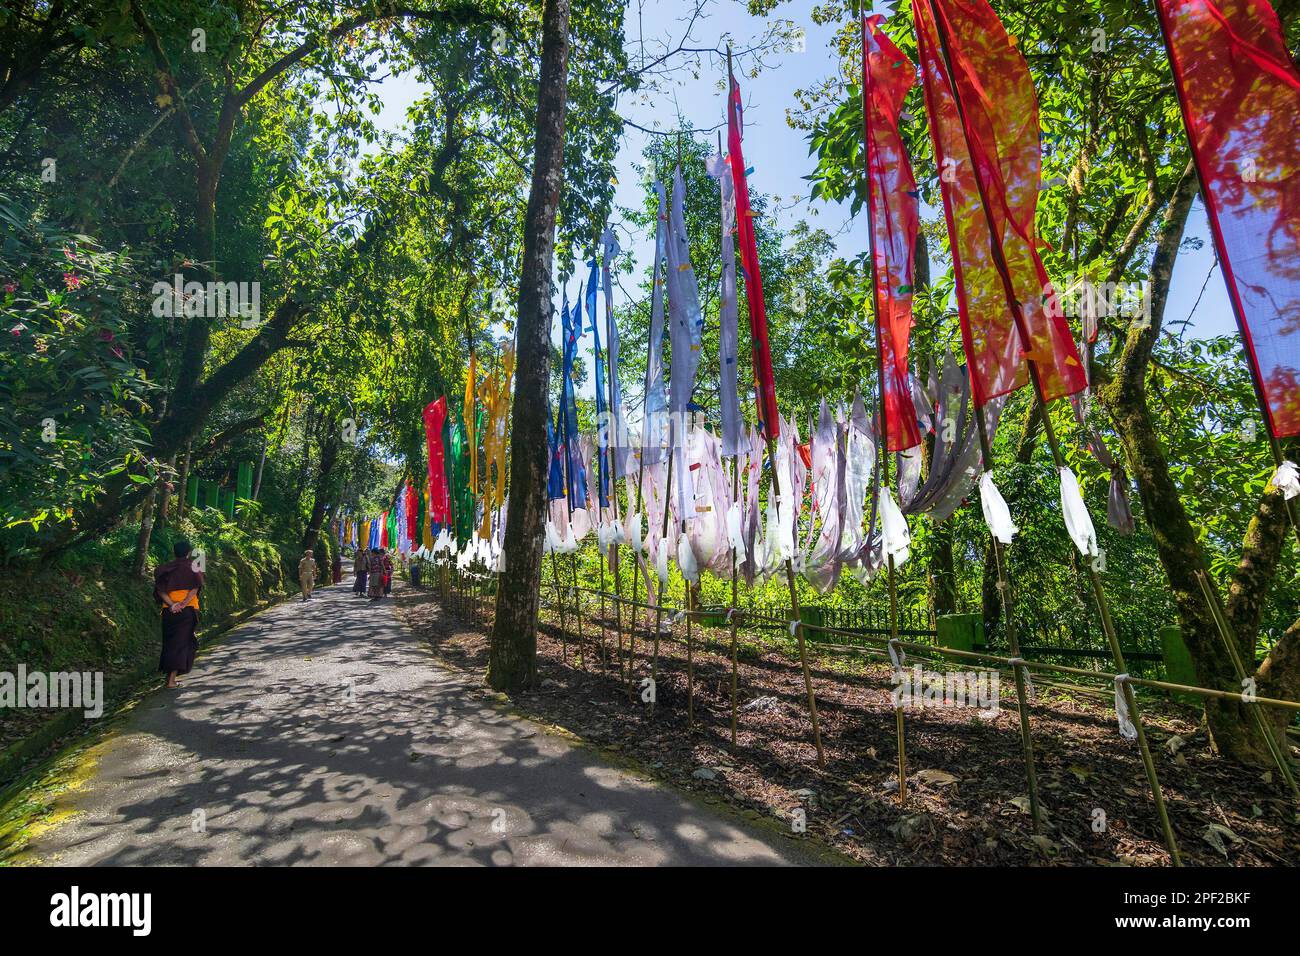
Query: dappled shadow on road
322, 733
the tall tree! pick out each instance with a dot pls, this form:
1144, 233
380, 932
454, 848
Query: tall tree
512, 660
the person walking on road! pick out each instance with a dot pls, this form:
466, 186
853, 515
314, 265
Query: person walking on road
176, 586
360, 568
307, 574
375, 569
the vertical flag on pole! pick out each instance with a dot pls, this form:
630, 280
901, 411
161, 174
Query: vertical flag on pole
656, 396
555, 473
887, 75
728, 312
602, 410
990, 157
434, 415
412, 515
467, 416
769, 423
575, 476
685, 333
617, 427
1240, 96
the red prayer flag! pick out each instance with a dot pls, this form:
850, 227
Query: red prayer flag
412, 513
990, 145
1240, 95
435, 413
887, 75
764, 386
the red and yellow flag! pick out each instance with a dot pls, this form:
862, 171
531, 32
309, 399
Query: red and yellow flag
887, 75
986, 147
1240, 95
764, 385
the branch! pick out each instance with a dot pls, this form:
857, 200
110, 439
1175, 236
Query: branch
167, 83
144, 138
225, 437
342, 29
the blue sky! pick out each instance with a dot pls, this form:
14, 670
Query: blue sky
778, 153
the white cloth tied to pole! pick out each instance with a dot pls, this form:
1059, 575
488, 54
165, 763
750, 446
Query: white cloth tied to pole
686, 559
1287, 479
1077, 520
1126, 728
996, 513
553, 540
896, 538
897, 656
634, 535
661, 562
734, 534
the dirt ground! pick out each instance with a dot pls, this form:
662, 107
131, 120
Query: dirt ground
966, 796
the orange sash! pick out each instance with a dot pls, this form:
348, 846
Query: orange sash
175, 596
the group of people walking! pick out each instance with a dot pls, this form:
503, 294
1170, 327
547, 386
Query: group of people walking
178, 582
373, 568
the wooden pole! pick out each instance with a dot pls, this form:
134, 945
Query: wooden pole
731, 616
663, 585
1103, 607
900, 730
1013, 641
1261, 723
796, 624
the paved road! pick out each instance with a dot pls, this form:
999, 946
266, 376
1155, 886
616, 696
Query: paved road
326, 734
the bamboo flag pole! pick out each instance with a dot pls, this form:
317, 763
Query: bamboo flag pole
602, 463
1103, 606
663, 543
731, 615
581, 651
900, 730
613, 428
686, 585
1224, 629
796, 623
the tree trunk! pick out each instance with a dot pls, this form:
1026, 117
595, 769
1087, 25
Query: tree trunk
140, 564
942, 570
512, 660
183, 493
329, 453
1175, 538
181, 422
164, 499
261, 463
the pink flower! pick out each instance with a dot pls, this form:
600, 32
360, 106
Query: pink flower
11, 287
105, 335
18, 330
117, 350
71, 280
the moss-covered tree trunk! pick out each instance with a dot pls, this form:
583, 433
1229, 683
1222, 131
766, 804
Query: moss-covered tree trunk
1174, 535
512, 658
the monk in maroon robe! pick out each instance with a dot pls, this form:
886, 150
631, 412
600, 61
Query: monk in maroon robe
176, 586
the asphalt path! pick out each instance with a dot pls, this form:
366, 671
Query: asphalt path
325, 733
